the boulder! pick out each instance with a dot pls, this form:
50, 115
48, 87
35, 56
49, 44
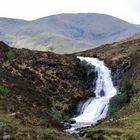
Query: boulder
72, 121
67, 125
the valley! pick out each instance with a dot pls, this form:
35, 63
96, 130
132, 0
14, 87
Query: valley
40, 90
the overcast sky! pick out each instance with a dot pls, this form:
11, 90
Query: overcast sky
128, 10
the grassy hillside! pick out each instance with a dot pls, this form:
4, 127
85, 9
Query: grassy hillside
38, 90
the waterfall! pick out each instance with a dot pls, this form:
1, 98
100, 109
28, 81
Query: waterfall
96, 107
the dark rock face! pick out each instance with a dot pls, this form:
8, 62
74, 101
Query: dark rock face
119, 72
102, 93
91, 78
90, 81
72, 121
67, 125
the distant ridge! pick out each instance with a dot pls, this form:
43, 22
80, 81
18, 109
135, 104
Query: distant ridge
65, 33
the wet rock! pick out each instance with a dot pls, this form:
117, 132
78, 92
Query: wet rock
72, 121
89, 93
92, 92
122, 66
6, 136
67, 125
7, 133
91, 77
81, 134
102, 93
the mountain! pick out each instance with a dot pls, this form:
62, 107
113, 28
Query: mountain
65, 33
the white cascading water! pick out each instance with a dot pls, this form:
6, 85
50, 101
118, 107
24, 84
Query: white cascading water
96, 107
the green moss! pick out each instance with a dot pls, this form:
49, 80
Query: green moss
4, 90
108, 138
107, 129
56, 115
134, 117
128, 89
105, 133
117, 102
10, 54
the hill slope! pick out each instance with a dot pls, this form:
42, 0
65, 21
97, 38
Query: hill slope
38, 90
65, 33
123, 58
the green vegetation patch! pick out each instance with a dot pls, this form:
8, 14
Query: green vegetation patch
10, 54
104, 133
128, 89
21, 131
4, 90
108, 138
135, 117
57, 116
